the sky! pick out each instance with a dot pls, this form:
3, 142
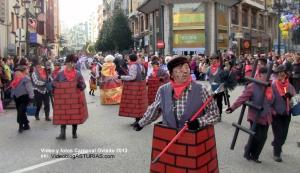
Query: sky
76, 11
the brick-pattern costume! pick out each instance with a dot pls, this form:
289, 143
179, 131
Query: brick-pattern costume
194, 151
69, 101
134, 99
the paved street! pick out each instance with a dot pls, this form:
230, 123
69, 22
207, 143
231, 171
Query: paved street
105, 130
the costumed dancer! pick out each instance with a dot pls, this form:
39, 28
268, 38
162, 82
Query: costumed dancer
57, 68
70, 106
214, 74
22, 92
177, 101
110, 85
134, 99
254, 92
283, 91
93, 79
157, 78
41, 95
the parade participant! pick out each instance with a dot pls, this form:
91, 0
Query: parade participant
157, 78
69, 100
93, 79
134, 99
253, 92
181, 89
22, 92
41, 95
110, 85
283, 91
177, 101
295, 77
214, 75
57, 68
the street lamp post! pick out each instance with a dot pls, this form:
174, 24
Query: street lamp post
27, 15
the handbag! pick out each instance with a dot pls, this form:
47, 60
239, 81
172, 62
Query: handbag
295, 105
31, 109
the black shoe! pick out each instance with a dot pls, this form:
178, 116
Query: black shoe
26, 127
256, 160
37, 118
74, 136
298, 143
20, 130
93, 94
90, 92
277, 158
62, 135
47, 119
247, 156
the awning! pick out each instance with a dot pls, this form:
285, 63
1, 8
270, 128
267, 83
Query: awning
229, 3
149, 6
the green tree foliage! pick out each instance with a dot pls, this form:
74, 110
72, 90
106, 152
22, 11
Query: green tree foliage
121, 33
115, 34
104, 42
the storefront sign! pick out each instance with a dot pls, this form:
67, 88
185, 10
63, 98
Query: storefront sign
35, 38
160, 44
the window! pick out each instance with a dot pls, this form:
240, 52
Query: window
245, 17
261, 22
13, 22
234, 15
2, 10
147, 22
254, 19
142, 23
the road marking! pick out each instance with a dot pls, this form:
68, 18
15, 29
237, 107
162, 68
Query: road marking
39, 165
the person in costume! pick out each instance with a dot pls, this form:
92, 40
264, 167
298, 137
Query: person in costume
110, 85
134, 99
93, 79
22, 92
214, 75
39, 80
176, 102
283, 91
69, 85
254, 93
176, 98
157, 78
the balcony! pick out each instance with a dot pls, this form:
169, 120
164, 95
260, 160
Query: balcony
260, 4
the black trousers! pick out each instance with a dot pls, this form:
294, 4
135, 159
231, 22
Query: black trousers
219, 98
21, 104
39, 100
280, 127
259, 139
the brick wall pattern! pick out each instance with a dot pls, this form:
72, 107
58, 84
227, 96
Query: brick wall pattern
193, 152
134, 100
69, 104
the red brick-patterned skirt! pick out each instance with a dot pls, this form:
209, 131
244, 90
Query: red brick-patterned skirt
193, 152
153, 85
69, 104
134, 101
